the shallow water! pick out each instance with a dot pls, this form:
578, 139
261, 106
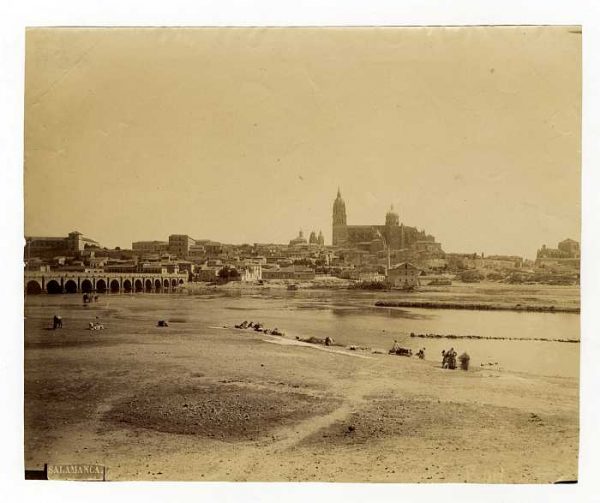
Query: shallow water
350, 318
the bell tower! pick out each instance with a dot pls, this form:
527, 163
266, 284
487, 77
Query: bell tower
340, 231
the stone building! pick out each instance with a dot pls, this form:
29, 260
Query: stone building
321, 239
144, 247
291, 272
565, 256
403, 275
73, 244
179, 245
570, 247
394, 235
567, 249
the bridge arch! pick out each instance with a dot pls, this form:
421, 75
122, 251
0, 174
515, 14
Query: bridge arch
139, 285
70, 286
101, 286
127, 285
166, 284
115, 286
157, 284
33, 287
148, 285
173, 283
53, 287
86, 286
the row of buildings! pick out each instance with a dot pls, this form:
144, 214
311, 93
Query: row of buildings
370, 252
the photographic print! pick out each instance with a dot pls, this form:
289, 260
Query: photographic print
303, 254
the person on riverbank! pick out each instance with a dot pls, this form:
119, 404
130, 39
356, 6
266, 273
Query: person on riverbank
451, 359
464, 361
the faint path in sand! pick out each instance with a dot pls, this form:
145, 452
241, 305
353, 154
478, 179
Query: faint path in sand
258, 462
291, 342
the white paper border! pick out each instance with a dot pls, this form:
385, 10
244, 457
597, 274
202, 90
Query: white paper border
15, 16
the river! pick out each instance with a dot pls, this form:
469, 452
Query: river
350, 318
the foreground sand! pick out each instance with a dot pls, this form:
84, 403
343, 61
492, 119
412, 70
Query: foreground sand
199, 403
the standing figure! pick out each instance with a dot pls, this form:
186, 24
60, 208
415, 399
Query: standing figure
57, 322
464, 361
451, 359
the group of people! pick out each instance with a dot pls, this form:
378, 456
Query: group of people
88, 297
449, 359
258, 327
96, 325
57, 322
399, 350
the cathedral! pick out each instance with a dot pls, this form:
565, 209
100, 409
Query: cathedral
393, 236
314, 240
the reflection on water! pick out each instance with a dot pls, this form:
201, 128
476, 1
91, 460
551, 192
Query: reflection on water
352, 319
408, 314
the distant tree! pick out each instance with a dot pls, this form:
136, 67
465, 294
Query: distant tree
224, 273
228, 273
471, 276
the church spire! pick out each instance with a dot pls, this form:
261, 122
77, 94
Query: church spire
339, 210
339, 234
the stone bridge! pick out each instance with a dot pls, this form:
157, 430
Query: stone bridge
102, 282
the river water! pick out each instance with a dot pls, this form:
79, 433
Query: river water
351, 318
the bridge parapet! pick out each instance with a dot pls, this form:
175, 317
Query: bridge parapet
101, 282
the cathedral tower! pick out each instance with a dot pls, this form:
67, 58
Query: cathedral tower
340, 232
392, 221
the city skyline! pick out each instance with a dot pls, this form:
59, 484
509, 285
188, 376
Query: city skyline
125, 140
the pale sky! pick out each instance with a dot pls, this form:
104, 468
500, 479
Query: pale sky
244, 135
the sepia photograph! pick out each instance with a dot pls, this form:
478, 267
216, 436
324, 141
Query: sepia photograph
303, 254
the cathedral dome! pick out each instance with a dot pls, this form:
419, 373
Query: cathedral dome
300, 240
391, 217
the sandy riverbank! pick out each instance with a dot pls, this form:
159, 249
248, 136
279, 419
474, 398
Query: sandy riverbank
477, 306
191, 402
